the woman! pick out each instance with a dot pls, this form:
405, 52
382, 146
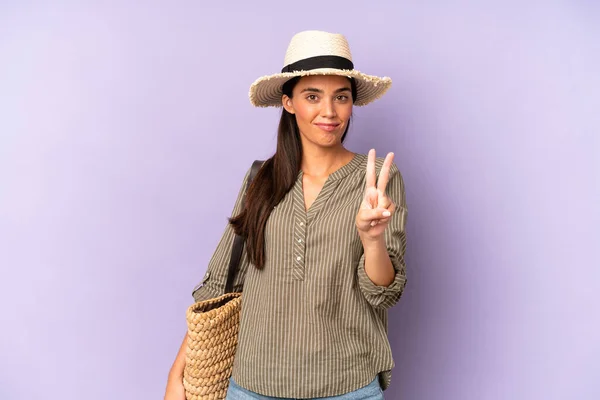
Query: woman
325, 241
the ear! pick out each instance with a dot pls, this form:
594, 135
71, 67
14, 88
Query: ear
287, 103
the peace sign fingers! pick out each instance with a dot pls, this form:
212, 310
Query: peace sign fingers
376, 208
384, 175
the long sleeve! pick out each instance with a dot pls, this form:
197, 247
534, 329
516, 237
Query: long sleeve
213, 283
395, 239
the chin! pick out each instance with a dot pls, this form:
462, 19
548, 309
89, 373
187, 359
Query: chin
331, 144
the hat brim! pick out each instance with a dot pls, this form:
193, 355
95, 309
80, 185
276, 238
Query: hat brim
266, 90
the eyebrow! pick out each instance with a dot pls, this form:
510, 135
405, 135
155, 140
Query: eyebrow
315, 90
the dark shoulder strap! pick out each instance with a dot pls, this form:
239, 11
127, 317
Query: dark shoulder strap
238, 241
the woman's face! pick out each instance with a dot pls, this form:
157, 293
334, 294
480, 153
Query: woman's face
323, 106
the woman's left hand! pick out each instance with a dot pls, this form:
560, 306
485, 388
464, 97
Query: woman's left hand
376, 208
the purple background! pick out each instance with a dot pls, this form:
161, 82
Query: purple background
125, 131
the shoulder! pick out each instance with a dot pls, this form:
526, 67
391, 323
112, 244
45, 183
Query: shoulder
252, 170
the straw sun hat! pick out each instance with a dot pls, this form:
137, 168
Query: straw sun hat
317, 53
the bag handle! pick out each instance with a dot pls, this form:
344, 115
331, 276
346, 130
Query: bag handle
238, 241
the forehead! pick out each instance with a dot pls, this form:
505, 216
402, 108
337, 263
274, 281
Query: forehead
324, 82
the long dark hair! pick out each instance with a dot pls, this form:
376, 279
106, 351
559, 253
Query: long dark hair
274, 180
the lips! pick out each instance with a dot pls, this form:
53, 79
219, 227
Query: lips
328, 127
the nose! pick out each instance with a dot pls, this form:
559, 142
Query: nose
328, 109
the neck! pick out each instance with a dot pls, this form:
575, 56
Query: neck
321, 162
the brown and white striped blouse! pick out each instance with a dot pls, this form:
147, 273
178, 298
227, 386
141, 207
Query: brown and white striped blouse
313, 324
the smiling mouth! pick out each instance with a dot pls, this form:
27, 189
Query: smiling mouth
328, 127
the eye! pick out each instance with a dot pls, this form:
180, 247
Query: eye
342, 97
311, 97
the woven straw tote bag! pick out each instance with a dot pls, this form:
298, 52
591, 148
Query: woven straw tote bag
213, 327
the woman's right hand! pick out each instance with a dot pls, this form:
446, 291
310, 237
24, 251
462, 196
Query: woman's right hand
175, 389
